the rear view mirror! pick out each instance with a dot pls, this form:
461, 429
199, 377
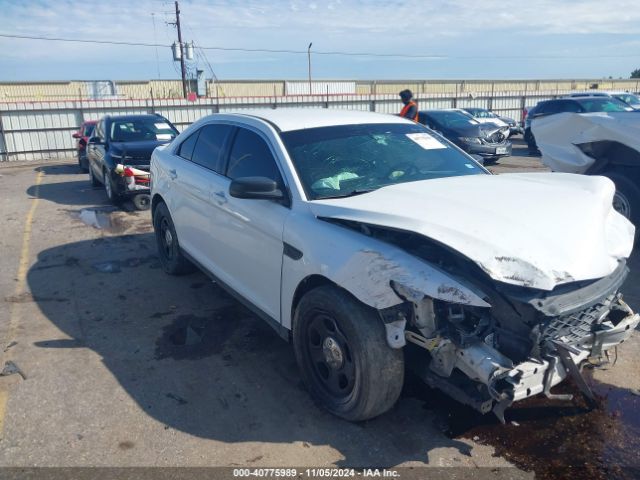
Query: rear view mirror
256, 188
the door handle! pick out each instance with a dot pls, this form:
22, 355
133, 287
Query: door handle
222, 198
173, 174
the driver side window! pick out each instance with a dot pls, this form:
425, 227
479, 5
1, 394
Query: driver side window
251, 157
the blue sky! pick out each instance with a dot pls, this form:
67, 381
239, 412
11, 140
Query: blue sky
471, 38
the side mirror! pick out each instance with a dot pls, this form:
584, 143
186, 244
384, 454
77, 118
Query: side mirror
76, 135
95, 141
255, 187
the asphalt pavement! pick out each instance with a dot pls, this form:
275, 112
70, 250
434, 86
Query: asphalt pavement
121, 365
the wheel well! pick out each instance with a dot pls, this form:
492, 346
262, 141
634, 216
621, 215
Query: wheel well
610, 155
306, 285
155, 201
633, 173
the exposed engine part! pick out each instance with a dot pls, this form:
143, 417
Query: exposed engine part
566, 345
565, 352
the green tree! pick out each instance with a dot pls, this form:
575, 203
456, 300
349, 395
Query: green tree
635, 73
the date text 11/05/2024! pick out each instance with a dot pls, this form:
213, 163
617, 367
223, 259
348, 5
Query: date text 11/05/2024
316, 472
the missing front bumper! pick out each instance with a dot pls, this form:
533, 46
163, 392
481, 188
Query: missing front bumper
498, 383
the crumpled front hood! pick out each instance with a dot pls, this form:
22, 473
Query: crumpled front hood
558, 135
475, 130
536, 230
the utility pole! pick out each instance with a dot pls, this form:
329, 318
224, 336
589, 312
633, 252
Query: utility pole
309, 63
182, 67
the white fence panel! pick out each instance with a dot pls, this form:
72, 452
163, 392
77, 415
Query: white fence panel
40, 130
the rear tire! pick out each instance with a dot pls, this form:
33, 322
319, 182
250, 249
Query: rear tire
171, 258
92, 178
531, 142
82, 163
345, 361
626, 200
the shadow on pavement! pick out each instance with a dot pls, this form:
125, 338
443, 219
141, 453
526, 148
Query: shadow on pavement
197, 361
63, 169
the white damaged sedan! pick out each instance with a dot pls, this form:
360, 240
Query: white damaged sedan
371, 242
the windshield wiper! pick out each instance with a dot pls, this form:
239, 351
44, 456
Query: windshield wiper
352, 193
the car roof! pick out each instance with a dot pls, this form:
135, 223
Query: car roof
135, 116
588, 94
443, 110
288, 119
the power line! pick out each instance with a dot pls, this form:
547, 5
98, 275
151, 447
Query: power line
335, 53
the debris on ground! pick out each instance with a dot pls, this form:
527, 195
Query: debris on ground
11, 368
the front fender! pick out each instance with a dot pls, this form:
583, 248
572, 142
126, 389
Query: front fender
371, 270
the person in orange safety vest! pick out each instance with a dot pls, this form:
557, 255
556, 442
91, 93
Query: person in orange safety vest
410, 109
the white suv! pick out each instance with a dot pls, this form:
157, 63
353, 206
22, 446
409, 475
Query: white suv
369, 240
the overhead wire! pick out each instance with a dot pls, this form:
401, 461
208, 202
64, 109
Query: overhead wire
319, 52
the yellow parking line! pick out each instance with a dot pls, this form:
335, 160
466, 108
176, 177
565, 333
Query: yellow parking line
26, 238
4, 396
21, 277
23, 264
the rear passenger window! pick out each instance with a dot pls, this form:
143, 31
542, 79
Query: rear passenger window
186, 148
570, 106
208, 151
251, 157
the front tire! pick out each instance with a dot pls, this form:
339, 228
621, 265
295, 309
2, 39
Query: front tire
345, 361
142, 201
109, 188
171, 258
626, 200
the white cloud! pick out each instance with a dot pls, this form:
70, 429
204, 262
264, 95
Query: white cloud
411, 26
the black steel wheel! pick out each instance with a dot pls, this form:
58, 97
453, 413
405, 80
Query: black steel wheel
171, 258
330, 356
344, 358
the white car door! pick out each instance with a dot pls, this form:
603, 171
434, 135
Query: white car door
199, 161
248, 232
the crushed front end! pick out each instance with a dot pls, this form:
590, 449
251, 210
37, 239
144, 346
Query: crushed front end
524, 344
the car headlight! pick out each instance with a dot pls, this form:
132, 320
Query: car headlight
470, 139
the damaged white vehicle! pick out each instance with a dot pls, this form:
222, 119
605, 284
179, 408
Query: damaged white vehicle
605, 144
371, 242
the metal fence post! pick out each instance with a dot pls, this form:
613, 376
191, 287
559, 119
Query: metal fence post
3, 140
493, 92
81, 109
153, 104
